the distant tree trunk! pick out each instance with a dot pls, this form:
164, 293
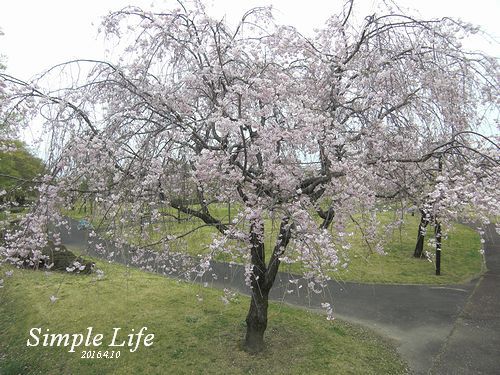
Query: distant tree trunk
438, 248
419, 247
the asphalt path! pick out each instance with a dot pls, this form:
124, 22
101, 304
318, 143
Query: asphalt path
473, 345
437, 329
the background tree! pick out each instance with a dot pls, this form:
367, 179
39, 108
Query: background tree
18, 169
304, 133
454, 185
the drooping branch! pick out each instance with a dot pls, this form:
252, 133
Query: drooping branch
206, 217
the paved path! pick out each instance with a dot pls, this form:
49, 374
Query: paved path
453, 329
473, 346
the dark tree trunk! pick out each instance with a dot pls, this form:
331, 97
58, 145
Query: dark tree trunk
437, 229
257, 314
262, 281
438, 248
419, 247
256, 322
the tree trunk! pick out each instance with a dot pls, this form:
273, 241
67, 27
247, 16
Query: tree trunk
262, 280
419, 247
256, 322
257, 314
438, 248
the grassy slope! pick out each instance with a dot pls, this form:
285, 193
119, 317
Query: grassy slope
190, 336
461, 260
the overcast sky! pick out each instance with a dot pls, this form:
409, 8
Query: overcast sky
41, 33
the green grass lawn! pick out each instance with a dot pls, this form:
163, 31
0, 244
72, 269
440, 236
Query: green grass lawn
195, 333
461, 259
